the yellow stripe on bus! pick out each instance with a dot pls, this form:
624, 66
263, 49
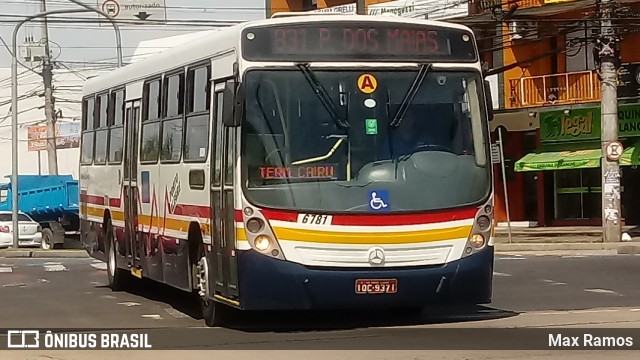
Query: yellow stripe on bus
145, 220
337, 237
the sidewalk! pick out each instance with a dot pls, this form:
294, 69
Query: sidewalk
540, 239
535, 240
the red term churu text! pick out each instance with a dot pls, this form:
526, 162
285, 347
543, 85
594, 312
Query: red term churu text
307, 172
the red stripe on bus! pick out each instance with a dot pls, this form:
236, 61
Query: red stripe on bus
115, 203
378, 219
91, 199
193, 210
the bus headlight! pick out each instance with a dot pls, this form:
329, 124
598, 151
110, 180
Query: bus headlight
477, 241
262, 242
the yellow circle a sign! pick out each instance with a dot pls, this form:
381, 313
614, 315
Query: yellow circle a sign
367, 83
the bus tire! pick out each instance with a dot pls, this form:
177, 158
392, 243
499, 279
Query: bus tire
212, 311
117, 277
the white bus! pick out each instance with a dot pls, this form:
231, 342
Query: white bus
298, 162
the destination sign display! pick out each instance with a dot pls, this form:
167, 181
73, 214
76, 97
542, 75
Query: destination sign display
377, 41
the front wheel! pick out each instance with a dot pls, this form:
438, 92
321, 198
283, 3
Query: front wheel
213, 312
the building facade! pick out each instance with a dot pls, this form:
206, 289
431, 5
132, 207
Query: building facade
543, 54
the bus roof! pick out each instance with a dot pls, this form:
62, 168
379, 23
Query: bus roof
221, 41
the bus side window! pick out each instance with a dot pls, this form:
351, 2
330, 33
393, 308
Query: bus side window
173, 109
150, 137
88, 123
116, 127
102, 131
196, 145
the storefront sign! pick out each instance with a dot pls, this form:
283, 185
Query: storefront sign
426, 9
584, 124
629, 84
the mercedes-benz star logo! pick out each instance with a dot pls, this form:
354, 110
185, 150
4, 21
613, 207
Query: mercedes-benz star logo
376, 256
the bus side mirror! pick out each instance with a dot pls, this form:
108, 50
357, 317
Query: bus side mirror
489, 100
232, 106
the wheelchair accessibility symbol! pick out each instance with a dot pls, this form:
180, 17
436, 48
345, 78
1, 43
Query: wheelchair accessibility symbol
379, 200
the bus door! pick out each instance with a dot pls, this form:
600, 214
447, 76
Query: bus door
222, 201
130, 184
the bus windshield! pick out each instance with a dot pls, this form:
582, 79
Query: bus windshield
350, 141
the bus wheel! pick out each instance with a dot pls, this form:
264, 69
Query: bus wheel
117, 277
212, 312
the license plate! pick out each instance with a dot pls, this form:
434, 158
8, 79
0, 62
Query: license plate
377, 286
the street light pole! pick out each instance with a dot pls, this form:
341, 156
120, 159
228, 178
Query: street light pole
116, 28
14, 102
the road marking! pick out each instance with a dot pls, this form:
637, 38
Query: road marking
176, 314
99, 266
56, 267
603, 291
511, 258
553, 282
154, 316
6, 269
129, 304
634, 309
572, 256
108, 297
500, 274
43, 280
14, 285
592, 311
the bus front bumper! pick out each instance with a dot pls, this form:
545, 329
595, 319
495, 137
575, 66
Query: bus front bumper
270, 284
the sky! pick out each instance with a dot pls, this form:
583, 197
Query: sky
79, 43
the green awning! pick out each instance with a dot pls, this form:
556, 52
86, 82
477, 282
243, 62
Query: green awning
573, 156
560, 160
631, 155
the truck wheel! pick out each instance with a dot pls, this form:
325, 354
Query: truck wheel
47, 238
117, 277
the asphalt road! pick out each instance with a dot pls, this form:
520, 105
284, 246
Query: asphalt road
529, 292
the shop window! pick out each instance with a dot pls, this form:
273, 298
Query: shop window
577, 194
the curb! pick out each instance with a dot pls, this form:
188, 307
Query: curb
43, 254
621, 248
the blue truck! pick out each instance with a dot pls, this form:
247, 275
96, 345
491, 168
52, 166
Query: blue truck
51, 200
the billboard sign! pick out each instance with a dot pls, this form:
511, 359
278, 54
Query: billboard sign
67, 136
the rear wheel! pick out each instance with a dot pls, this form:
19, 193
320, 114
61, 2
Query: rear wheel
117, 277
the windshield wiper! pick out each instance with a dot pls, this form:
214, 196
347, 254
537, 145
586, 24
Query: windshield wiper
323, 95
408, 98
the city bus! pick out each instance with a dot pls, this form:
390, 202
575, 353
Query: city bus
297, 162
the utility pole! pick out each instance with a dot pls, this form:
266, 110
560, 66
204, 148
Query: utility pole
607, 52
49, 111
361, 7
